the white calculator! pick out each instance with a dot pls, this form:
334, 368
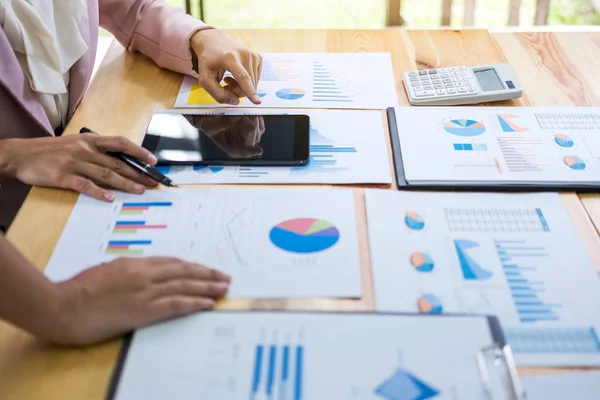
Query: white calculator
462, 85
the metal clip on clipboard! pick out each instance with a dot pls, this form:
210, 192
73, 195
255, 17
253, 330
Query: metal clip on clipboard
498, 373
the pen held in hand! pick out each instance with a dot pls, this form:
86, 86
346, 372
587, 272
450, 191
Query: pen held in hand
136, 164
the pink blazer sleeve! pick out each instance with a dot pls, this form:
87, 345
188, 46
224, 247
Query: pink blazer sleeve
153, 28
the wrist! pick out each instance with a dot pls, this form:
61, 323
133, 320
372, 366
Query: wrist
8, 163
198, 38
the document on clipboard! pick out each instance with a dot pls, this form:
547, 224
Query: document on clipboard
514, 148
318, 355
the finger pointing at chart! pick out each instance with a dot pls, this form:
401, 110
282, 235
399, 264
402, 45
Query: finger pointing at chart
216, 53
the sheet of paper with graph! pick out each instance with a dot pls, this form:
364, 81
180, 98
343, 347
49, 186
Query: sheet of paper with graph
346, 147
312, 80
515, 256
526, 146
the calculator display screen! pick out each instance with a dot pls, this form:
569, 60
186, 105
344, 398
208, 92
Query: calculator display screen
488, 79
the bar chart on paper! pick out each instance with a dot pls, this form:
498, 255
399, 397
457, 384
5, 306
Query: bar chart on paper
312, 80
540, 147
289, 236
340, 153
518, 258
278, 366
138, 226
275, 355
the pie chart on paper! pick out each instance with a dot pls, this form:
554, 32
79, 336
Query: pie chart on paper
290, 94
563, 140
574, 162
464, 127
429, 304
422, 262
206, 169
414, 221
304, 235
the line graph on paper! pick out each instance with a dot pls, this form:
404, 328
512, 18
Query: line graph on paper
232, 229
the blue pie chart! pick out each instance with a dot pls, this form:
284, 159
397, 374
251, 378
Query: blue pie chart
414, 221
563, 140
205, 169
290, 94
304, 235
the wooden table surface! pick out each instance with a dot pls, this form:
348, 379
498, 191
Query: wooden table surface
554, 68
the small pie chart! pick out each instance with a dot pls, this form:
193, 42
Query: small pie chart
414, 221
421, 261
464, 127
290, 94
563, 140
261, 93
574, 162
429, 304
205, 169
304, 235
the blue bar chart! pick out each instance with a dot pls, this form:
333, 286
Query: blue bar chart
496, 220
554, 340
277, 372
323, 155
326, 87
526, 286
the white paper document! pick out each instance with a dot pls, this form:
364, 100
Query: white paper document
312, 80
307, 356
516, 256
275, 243
346, 147
575, 386
553, 146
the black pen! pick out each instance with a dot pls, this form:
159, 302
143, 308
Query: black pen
138, 165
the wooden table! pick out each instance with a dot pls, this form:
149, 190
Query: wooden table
554, 69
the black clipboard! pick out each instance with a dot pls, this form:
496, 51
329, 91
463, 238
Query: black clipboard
497, 355
403, 184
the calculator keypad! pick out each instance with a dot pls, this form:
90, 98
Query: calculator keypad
442, 82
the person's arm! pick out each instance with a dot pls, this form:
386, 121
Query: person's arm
105, 301
27, 298
153, 28
174, 39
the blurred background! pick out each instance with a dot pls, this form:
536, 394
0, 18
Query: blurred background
372, 13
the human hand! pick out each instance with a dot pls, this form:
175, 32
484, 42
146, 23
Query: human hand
237, 135
77, 162
114, 298
217, 53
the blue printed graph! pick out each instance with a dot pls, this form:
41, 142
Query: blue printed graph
277, 70
328, 87
471, 270
277, 369
323, 155
205, 169
422, 261
570, 340
403, 385
290, 94
163, 169
574, 162
429, 304
304, 235
464, 127
201, 169
414, 221
563, 140
526, 287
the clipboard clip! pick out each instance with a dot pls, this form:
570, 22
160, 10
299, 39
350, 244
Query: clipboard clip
498, 373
